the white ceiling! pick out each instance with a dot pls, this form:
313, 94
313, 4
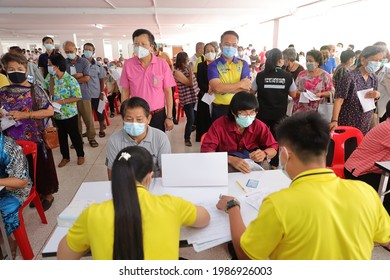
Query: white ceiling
168, 20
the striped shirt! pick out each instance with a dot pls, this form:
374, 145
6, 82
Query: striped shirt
187, 94
374, 147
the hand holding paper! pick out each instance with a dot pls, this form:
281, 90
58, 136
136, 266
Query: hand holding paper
368, 104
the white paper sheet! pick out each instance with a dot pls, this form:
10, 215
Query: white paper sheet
368, 104
69, 215
6, 122
307, 96
194, 169
253, 165
56, 106
256, 199
208, 98
101, 106
303, 98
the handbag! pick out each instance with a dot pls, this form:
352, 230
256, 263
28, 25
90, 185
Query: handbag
50, 133
325, 108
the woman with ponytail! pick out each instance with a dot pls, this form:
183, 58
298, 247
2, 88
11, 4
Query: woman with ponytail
135, 224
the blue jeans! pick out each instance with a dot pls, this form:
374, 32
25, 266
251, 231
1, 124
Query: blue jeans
190, 114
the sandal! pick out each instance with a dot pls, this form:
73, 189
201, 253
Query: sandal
93, 143
102, 134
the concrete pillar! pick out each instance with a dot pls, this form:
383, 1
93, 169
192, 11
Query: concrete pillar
276, 33
115, 49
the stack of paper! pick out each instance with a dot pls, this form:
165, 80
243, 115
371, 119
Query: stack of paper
255, 199
217, 232
307, 96
73, 211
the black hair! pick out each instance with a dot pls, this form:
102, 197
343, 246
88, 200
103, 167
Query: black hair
45, 38
89, 44
181, 58
230, 32
17, 57
342, 45
351, 46
273, 57
58, 60
15, 49
367, 52
317, 55
134, 102
346, 55
208, 44
139, 32
291, 46
325, 47
131, 165
242, 100
388, 109
306, 133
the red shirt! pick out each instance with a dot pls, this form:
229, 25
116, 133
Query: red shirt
223, 136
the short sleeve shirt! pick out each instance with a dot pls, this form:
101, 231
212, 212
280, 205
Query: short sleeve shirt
162, 218
82, 65
156, 142
66, 87
96, 72
43, 61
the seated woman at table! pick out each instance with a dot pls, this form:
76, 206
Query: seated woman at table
15, 178
375, 147
241, 134
135, 224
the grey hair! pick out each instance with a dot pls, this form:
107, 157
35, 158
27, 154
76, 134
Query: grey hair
68, 43
290, 53
367, 52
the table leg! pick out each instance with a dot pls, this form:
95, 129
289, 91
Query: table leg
5, 249
383, 185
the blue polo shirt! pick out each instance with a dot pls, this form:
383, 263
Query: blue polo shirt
230, 73
329, 65
82, 66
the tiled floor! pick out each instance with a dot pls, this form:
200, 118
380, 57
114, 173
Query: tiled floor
72, 175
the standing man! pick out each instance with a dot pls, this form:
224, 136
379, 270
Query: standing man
242, 55
329, 64
320, 216
96, 84
48, 43
150, 78
79, 68
227, 75
196, 58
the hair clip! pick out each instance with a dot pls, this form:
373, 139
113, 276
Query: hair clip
124, 155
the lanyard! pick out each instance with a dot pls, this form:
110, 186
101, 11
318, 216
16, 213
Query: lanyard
312, 174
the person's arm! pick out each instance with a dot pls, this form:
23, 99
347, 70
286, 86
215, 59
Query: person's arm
220, 88
168, 106
237, 226
64, 252
338, 102
13, 183
67, 100
83, 79
125, 94
109, 174
179, 76
202, 217
42, 70
239, 164
39, 114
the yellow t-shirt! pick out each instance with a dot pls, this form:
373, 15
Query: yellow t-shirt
162, 217
3, 80
320, 216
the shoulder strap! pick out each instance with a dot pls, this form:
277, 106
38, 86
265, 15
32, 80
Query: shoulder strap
51, 87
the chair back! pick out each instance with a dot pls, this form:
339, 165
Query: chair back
344, 140
30, 148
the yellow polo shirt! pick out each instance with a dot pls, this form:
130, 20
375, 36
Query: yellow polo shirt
320, 216
162, 217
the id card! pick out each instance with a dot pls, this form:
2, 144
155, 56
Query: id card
252, 183
72, 70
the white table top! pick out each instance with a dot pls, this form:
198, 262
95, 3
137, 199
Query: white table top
384, 165
269, 181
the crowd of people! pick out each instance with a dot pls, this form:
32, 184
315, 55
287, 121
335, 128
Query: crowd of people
247, 115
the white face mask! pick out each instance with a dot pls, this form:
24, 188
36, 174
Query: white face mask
210, 56
141, 52
280, 161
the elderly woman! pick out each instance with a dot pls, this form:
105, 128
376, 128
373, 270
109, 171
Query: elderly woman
347, 109
66, 92
315, 80
290, 63
29, 105
241, 134
188, 92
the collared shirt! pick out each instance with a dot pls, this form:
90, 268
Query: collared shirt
162, 217
66, 87
230, 73
329, 65
148, 83
96, 72
156, 142
374, 147
223, 136
320, 216
82, 66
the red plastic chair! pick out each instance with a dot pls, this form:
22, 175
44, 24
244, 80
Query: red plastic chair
176, 102
29, 148
344, 140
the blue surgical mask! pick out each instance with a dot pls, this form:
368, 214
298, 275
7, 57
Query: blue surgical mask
51, 70
133, 128
71, 56
384, 62
372, 66
245, 121
240, 53
49, 47
229, 52
88, 54
141, 52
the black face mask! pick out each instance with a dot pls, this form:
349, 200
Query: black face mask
17, 77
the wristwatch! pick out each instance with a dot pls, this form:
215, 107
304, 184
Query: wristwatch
170, 118
232, 203
267, 156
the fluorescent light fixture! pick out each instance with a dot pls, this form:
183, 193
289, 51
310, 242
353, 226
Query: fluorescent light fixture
99, 26
50, 36
124, 35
